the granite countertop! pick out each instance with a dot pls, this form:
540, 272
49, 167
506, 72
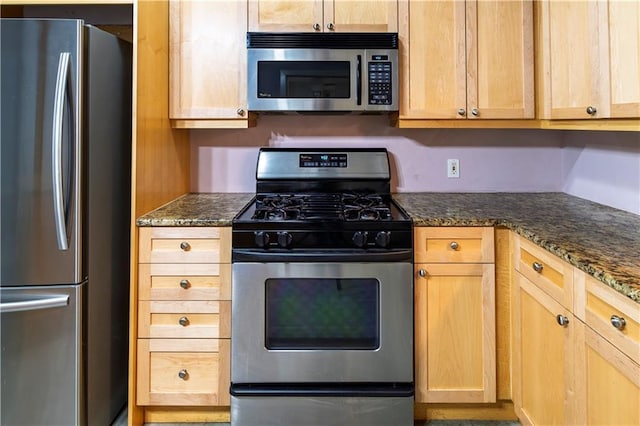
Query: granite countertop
602, 241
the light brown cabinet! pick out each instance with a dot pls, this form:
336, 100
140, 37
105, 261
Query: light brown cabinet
455, 359
207, 64
576, 345
323, 15
458, 63
184, 316
590, 59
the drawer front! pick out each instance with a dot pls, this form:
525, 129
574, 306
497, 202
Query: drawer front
545, 270
176, 281
454, 244
187, 372
177, 319
185, 245
611, 314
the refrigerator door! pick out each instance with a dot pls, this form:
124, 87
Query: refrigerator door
41, 355
41, 76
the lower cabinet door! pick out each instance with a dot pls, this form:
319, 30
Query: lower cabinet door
188, 372
543, 345
455, 359
608, 386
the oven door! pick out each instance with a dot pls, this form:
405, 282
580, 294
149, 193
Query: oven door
322, 322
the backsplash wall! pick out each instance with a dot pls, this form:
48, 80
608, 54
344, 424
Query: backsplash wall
506, 160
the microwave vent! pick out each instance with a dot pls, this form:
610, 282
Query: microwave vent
261, 40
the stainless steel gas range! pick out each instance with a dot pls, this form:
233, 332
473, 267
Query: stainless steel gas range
322, 311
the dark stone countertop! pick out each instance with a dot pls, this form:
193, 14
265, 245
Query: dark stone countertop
197, 209
602, 241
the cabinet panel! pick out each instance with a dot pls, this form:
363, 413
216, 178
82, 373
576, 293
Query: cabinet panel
543, 357
285, 15
545, 270
455, 333
183, 372
175, 281
455, 244
457, 64
359, 16
624, 58
207, 60
611, 383
185, 245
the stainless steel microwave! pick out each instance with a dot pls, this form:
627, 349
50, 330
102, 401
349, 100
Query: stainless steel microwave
327, 72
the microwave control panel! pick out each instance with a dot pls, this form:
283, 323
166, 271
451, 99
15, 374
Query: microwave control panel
380, 82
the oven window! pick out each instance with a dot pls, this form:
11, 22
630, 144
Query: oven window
320, 313
304, 79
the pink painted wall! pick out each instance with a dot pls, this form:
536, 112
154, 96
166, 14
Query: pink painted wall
600, 166
603, 167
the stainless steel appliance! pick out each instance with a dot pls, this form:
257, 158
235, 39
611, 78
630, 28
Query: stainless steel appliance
66, 138
322, 304
328, 72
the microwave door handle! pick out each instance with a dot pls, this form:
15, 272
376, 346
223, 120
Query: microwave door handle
359, 80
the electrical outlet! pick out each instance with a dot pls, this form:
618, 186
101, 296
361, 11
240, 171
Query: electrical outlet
453, 168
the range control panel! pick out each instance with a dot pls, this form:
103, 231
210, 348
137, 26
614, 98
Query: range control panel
380, 81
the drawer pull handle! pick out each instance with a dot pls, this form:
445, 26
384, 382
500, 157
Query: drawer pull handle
538, 267
618, 322
422, 273
185, 284
454, 245
562, 320
183, 321
185, 246
183, 374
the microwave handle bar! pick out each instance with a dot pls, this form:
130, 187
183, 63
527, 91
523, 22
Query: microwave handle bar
359, 80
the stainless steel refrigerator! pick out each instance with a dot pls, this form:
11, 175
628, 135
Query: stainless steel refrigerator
66, 155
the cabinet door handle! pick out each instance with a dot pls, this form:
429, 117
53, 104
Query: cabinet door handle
537, 266
475, 112
316, 26
461, 112
562, 320
185, 284
185, 246
591, 110
330, 26
454, 245
422, 273
240, 112
183, 321
183, 374
618, 322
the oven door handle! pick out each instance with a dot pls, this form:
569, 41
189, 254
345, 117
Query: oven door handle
284, 256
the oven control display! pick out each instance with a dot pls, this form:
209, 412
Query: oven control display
323, 160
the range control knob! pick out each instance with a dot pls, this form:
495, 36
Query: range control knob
360, 238
284, 239
262, 239
383, 238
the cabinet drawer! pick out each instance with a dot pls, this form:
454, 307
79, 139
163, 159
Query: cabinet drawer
185, 245
178, 319
177, 281
456, 244
611, 314
545, 270
183, 372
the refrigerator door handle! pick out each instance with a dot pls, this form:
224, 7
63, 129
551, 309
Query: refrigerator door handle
48, 302
56, 149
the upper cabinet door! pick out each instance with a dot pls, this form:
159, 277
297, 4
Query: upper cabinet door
323, 16
469, 59
285, 15
500, 72
590, 59
434, 75
624, 58
361, 16
207, 62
